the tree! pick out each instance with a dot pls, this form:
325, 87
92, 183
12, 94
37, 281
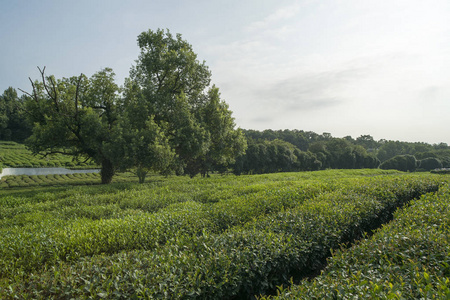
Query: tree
167, 119
174, 86
367, 142
74, 116
13, 124
390, 149
87, 118
143, 147
226, 143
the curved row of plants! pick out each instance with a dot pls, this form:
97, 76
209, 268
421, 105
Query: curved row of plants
15, 155
407, 259
236, 247
48, 237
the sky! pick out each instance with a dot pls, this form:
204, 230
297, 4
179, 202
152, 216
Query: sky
345, 67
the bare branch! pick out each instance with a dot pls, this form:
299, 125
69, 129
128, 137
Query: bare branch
34, 90
54, 97
25, 92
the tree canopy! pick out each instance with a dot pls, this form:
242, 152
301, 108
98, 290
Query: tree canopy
13, 123
175, 88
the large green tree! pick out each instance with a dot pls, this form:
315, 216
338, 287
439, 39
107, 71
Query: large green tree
175, 87
74, 116
87, 118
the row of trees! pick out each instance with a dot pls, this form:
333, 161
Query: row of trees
383, 149
165, 118
267, 156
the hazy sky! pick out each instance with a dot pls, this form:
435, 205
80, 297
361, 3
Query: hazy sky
353, 67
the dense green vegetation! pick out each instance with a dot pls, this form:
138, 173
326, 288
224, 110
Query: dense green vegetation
296, 150
60, 179
16, 155
219, 237
13, 123
407, 259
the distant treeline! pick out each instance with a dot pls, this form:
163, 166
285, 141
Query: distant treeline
297, 150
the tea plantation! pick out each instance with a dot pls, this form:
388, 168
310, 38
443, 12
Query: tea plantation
230, 237
15, 155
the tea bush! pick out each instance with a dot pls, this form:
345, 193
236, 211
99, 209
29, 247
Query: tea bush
244, 241
407, 259
16, 155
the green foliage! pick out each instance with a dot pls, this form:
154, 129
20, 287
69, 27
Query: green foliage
144, 147
221, 237
429, 164
441, 171
407, 259
74, 116
167, 119
276, 155
405, 163
174, 87
16, 155
226, 143
13, 124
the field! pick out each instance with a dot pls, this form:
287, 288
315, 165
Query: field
229, 237
60, 180
15, 155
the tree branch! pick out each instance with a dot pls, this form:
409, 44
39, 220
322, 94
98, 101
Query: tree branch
55, 96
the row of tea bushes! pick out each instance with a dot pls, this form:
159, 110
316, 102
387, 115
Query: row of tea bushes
44, 236
407, 259
15, 155
161, 192
49, 180
24, 181
193, 261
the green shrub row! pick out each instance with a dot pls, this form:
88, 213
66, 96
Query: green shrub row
16, 155
192, 261
156, 195
407, 259
23, 181
441, 171
49, 180
44, 238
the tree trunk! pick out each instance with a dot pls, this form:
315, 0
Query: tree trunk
107, 171
141, 173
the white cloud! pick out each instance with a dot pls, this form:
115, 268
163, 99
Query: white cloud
280, 15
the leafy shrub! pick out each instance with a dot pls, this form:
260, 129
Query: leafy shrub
405, 163
430, 163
